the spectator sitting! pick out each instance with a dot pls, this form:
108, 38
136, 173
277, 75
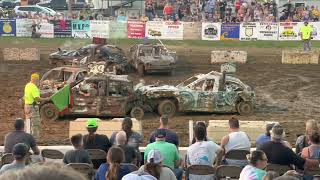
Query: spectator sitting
78, 155
303, 141
278, 153
168, 11
203, 152
201, 123
129, 152
171, 137
19, 152
266, 136
155, 168
144, 18
169, 152
255, 169
138, 175
19, 136
236, 140
312, 151
95, 141
113, 170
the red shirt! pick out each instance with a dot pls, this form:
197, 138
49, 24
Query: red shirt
167, 10
238, 4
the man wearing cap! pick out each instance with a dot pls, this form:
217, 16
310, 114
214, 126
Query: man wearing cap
168, 150
19, 152
278, 153
306, 34
31, 109
266, 136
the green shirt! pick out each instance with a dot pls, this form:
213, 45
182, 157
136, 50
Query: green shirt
31, 91
168, 151
306, 31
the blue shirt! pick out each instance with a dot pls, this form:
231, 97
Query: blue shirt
103, 169
261, 139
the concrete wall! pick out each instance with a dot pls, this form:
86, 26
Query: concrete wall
17, 54
300, 57
228, 56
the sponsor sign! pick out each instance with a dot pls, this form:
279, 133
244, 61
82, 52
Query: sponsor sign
23, 27
118, 30
192, 30
289, 31
46, 30
211, 31
154, 29
230, 31
248, 31
136, 29
99, 29
173, 30
316, 30
7, 27
81, 29
268, 31
62, 28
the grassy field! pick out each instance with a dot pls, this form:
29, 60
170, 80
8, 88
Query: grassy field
11, 41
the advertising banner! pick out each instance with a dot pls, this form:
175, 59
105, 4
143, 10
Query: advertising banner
136, 29
81, 29
230, 31
173, 30
316, 30
99, 29
268, 31
249, 31
192, 30
211, 31
62, 28
118, 30
46, 30
23, 27
7, 27
289, 31
154, 29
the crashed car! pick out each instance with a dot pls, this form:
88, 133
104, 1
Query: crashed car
152, 58
97, 95
213, 92
112, 55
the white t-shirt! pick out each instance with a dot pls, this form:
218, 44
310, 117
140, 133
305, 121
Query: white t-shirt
203, 153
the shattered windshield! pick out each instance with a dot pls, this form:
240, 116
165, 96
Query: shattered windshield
57, 75
188, 81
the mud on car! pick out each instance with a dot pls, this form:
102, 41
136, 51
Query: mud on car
214, 92
152, 58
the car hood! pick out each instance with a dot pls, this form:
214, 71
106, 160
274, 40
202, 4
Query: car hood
143, 89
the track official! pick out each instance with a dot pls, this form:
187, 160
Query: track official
306, 35
31, 106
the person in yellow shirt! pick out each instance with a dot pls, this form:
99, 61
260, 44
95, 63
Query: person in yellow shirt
306, 35
31, 108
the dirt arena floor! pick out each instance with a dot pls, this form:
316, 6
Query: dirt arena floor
285, 93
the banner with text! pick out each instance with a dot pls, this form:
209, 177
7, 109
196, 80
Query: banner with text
154, 29
136, 29
268, 31
7, 27
289, 31
249, 31
173, 30
23, 27
99, 29
46, 30
316, 30
118, 30
62, 28
211, 31
81, 29
192, 30
230, 31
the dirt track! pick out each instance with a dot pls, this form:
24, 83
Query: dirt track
285, 93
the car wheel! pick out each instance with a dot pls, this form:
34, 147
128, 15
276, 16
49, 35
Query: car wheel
141, 70
167, 107
49, 112
137, 112
245, 108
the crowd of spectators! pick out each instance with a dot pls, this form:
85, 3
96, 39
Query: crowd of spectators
161, 159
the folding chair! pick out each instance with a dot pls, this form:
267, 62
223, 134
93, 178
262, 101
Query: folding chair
52, 154
7, 159
83, 168
229, 171
200, 170
97, 157
280, 169
237, 154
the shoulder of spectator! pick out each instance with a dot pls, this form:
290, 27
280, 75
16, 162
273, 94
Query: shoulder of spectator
300, 139
224, 140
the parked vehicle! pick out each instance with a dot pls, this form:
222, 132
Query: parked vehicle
9, 4
34, 9
63, 5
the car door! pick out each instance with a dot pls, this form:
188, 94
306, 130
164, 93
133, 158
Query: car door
205, 100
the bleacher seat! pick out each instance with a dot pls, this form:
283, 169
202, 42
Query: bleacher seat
199, 170
52, 154
230, 171
280, 169
83, 168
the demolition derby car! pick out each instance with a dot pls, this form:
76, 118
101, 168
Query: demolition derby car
97, 95
152, 58
213, 92
112, 55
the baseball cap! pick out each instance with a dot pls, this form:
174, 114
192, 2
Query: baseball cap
160, 133
154, 156
138, 175
269, 126
20, 150
92, 123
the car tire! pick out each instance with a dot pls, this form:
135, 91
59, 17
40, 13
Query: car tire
244, 108
141, 70
167, 107
137, 113
49, 112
